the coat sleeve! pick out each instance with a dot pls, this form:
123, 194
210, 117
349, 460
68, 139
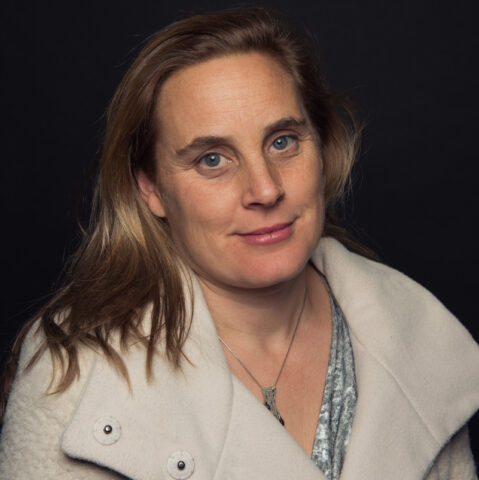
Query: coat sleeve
455, 461
34, 423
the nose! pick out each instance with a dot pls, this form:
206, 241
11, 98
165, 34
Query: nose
262, 185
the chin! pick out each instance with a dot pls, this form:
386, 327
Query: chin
268, 274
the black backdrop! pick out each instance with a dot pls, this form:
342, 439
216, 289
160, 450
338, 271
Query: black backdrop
409, 66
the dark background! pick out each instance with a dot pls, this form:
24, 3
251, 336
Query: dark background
409, 66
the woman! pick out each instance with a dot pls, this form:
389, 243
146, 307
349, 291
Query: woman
212, 283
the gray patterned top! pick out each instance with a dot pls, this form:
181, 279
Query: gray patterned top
339, 400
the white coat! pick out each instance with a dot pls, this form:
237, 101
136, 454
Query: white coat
417, 370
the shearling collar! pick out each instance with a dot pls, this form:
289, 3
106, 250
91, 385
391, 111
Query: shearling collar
418, 383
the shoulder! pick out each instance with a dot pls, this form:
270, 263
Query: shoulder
39, 380
34, 420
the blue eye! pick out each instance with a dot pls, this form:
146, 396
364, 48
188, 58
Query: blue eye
211, 160
282, 142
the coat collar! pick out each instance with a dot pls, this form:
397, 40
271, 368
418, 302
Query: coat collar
409, 397
416, 367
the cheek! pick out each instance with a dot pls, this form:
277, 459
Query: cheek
194, 210
305, 181
317, 178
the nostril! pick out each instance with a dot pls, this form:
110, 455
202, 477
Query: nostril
262, 185
267, 192
266, 199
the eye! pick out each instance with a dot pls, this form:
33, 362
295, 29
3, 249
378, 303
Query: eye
212, 160
283, 142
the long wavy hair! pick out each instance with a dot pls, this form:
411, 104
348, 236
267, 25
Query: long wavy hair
127, 262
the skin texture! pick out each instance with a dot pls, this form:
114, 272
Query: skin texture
255, 184
235, 153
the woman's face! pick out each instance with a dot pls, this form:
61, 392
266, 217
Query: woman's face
239, 171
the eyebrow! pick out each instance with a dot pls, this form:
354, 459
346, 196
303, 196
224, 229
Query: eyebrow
202, 143
284, 124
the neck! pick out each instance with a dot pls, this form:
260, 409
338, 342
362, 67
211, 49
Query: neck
265, 316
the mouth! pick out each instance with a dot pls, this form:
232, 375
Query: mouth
269, 235
271, 229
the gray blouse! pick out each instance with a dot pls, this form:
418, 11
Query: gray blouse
339, 400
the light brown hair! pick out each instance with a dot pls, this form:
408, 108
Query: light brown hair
127, 261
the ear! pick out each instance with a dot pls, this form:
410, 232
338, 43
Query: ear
150, 194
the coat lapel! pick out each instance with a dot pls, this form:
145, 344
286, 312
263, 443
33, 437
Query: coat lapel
417, 367
202, 410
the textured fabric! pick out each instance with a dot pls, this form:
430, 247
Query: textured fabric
417, 378
339, 400
455, 460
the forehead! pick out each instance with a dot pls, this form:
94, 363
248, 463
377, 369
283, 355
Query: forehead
224, 95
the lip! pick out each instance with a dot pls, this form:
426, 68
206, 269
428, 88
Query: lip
268, 235
271, 229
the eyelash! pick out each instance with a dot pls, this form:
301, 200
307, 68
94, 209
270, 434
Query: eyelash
211, 154
292, 138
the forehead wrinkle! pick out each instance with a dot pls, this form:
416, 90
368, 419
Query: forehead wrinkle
209, 107
264, 105
239, 78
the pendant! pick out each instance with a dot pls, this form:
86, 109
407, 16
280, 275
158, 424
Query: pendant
269, 396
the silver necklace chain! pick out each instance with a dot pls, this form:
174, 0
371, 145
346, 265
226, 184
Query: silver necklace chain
269, 393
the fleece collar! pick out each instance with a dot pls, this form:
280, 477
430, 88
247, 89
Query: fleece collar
416, 369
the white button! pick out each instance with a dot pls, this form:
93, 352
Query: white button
180, 465
107, 430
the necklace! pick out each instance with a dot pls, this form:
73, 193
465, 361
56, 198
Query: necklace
269, 393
